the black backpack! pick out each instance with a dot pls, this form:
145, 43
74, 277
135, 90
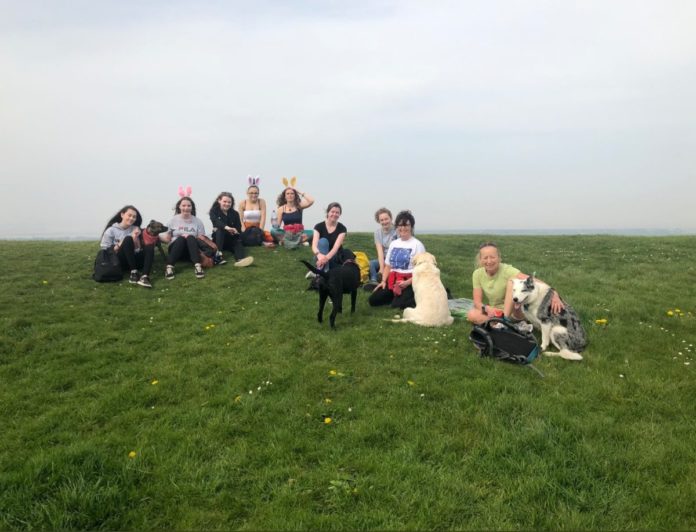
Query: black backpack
504, 342
107, 267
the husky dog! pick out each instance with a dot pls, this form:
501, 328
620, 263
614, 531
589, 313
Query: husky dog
564, 330
432, 309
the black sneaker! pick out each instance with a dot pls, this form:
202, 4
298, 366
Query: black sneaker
169, 274
145, 281
133, 278
199, 271
218, 259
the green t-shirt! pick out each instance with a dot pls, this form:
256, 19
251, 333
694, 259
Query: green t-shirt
494, 287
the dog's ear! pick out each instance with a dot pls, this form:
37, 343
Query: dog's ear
529, 282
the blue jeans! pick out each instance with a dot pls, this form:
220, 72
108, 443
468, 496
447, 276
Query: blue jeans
374, 269
323, 247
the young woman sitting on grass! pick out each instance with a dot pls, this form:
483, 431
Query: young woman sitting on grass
122, 234
328, 237
493, 281
291, 203
227, 230
184, 230
252, 210
395, 287
383, 237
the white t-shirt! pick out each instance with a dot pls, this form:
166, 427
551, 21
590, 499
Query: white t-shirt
401, 252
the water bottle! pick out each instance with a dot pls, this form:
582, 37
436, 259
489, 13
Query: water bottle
274, 220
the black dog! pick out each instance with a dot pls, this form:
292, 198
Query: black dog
339, 280
151, 235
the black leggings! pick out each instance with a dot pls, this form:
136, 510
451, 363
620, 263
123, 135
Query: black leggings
384, 296
183, 248
228, 242
136, 261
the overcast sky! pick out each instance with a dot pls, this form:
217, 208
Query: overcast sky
476, 115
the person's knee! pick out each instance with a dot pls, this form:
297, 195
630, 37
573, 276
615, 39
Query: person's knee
323, 246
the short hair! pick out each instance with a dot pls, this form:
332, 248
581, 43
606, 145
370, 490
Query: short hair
332, 205
403, 217
383, 210
488, 244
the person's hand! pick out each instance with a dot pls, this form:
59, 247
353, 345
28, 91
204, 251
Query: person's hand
321, 260
136, 233
556, 304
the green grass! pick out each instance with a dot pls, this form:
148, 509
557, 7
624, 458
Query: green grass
424, 434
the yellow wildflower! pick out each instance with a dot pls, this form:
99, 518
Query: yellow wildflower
670, 313
333, 372
601, 321
411, 383
132, 454
327, 401
154, 381
328, 421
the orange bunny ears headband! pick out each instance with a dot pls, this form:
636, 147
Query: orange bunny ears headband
254, 181
184, 191
291, 183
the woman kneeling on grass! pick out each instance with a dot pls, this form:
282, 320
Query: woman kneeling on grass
227, 230
493, 280
122, 234
184, 230
395, 287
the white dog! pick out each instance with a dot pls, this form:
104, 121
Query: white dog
564, 330
431, 309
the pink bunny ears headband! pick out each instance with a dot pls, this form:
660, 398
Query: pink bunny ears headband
254, 181
184, 191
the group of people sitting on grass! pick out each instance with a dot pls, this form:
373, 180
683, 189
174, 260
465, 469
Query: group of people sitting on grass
390, 274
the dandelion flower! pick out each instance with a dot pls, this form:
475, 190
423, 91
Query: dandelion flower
328, 421
132, 454
602, 321
333, 372
670, 313
154, 381
327, 401
411, 383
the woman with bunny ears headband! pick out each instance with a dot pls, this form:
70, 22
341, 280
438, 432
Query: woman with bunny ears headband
252, 211
291, 203
184, 230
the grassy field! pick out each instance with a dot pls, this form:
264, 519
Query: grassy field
221, 403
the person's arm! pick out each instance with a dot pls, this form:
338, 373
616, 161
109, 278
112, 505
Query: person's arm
262, 206
385, 277
315, 243
107, 239
380, 256
305, 200
218, 220
240, 210
279, 214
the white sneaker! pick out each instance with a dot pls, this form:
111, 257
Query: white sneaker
242, 263
310, 275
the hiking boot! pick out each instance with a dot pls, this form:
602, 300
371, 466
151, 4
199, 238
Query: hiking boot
133, 278
243, 263
145, 281
218, 259
169, 273
199, 271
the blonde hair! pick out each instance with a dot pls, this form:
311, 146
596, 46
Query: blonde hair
477, 260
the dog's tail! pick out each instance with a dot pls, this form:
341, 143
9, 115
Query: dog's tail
314, 269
